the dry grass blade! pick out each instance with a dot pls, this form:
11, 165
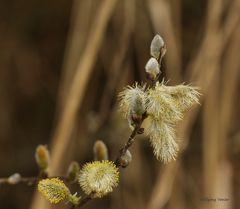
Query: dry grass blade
230, 84
79, 29
116, 67
77, 89
210, 142
79, 83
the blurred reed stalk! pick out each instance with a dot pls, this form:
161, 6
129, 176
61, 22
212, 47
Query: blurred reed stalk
77, 90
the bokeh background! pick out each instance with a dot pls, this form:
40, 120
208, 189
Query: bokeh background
62, 64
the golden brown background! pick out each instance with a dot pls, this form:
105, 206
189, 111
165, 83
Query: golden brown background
61, 66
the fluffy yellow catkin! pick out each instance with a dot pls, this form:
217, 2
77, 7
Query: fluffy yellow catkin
98, 178
53, 189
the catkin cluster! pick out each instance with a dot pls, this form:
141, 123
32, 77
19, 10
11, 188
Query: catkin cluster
97, 179
163, 105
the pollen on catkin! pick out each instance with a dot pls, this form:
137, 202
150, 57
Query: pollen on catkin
53, 189
98, 178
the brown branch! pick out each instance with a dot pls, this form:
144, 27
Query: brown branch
27, 180
128, 144
31, 180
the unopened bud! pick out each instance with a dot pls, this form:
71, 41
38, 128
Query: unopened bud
73, 171
125, 159
14, 179
100, 151
42, 157
156, 45
152, 68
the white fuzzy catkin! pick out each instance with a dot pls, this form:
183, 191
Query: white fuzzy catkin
162, 106
162, 138
165, 108
98, 178
152, 68
184, 95
132, 100
14, 178
156, 45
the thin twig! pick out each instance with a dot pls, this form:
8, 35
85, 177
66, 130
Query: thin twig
128, 144
28, 180
31, 180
